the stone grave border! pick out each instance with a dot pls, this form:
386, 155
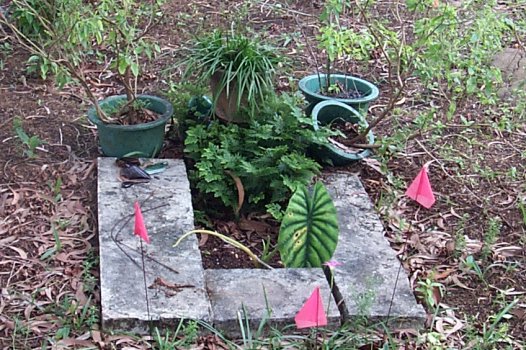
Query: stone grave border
179, 288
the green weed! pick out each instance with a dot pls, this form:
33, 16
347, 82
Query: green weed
5, 50
88, 278
490, 237
427, 289
20, 334
460, 238
30, 142
56, 248
56, 189
472, 265
494, 333
184, 336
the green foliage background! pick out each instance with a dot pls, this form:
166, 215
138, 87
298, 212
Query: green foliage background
268, 155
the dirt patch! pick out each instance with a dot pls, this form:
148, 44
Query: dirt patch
253, 232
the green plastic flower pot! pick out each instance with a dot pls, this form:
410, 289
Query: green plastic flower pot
310, 86
325, 113
144, 140
200, 107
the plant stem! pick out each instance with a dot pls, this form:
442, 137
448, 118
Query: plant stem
228, 240
146, 289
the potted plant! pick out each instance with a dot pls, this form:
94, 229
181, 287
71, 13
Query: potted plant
337, 41
240, 70
337, 151
128, 123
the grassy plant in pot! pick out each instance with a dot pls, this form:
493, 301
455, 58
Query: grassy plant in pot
240, 70
337, 41
343, 118
82, 32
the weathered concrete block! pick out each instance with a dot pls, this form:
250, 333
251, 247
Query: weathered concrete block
285, 291
512, 63
370, 270
179, 288
174, 276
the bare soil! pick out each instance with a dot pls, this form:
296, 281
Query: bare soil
251, 231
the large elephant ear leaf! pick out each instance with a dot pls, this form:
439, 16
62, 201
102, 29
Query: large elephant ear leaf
309, 231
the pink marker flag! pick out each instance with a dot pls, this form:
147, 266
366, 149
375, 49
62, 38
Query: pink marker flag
140, 228
312, 313
420, 189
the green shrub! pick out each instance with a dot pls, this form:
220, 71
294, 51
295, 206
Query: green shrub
268, 155
34, 17
457, 45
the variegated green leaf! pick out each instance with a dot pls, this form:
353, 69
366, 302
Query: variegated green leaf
309, 231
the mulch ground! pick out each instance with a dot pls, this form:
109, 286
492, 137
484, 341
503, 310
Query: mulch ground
48, 246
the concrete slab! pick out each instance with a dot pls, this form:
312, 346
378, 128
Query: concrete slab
283, 291
512, 63
175, 278
180, 288
370, 279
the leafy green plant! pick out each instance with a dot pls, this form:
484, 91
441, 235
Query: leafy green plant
267, 157
337, 41
31, 16
471, 34
427, 289
243, 66
309, 231
78, 26
30, 142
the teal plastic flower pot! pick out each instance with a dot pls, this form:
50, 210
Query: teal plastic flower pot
310, 86
324, 113
144, 140
200, 108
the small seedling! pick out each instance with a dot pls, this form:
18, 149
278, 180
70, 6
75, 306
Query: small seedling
56, 188
497, 333
183, 336
428, 290
490, 236
268, 250
56, 248
334, 89
30, 142
472, 265
460, 238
